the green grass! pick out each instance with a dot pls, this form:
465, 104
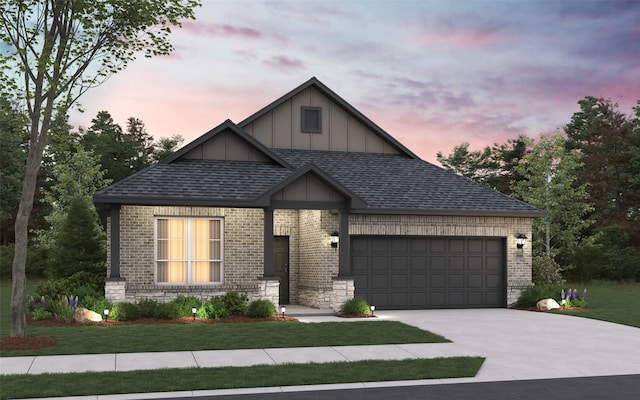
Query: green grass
192, 337
179, 337
56, 385
611, 301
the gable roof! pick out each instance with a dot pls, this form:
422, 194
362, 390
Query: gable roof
314, 82
370, 182
227, 125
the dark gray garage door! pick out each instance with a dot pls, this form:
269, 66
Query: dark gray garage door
429, 272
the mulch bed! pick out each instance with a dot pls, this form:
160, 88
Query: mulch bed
34, 342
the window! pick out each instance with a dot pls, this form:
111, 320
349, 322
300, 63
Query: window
311, 120
189, 250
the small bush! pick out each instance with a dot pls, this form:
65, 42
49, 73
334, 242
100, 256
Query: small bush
153, 309
546, 271
80, 281
533, 294
185, 304
355, 306
214, 309
261, 309
125, 312
38, 314
235, 302
63, 311
96, 304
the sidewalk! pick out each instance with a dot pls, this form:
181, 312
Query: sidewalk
517, 345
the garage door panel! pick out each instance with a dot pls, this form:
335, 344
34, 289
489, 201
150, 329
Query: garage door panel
475, 263
437, 281
379, 281
475, 281
399, 300
418, 281
418, 263
400, 281
456, 299
426, 272
399, 263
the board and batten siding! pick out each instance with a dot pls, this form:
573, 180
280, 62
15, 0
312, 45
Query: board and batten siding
280, 128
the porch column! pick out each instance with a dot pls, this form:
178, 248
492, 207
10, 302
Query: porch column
344, 257
114, 284
114, 214
268, 243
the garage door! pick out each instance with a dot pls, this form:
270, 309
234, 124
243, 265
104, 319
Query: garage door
429, 272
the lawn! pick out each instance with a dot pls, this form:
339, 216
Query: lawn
165, 380
187, 337
611, 301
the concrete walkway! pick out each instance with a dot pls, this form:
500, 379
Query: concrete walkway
517, 345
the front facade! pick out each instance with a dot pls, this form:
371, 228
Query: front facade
309, 202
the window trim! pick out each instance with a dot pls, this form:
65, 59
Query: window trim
304, 123
188, 251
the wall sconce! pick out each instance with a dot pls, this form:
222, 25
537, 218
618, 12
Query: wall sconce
106, 314
335, 238
520, 239
282, 310
193, 311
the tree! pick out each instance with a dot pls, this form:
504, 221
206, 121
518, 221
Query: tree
165, 146
493, 166
57, 50
479, 166
549, 176
609, 142
12, 158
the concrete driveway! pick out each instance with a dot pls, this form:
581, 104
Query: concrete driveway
532, 345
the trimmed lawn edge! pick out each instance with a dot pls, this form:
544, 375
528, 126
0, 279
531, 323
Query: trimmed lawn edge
192, 379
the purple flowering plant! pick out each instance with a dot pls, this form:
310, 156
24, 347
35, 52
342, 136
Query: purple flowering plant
571, 299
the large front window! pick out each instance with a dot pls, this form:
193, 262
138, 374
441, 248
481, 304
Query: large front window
188, 250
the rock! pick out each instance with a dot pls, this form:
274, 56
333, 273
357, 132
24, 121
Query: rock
83, 315
547, 304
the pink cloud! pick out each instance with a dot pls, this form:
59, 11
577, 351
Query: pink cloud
459, 39
216, 30
280, 62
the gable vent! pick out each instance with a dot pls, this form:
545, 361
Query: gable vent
311, 120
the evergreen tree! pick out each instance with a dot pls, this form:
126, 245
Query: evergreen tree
81, 242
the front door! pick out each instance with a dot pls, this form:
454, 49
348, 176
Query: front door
281, 259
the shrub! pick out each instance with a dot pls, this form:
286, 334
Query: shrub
125, 312
546, 271
80, 281
261, 309
214, 309
152, 309
185, 304
533, 294
235, 302
37, 314
96, 304
63, 310
355, 306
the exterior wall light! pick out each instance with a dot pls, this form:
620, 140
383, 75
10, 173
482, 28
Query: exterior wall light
520, 239
335, 238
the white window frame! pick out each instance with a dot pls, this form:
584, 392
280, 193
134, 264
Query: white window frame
188, 251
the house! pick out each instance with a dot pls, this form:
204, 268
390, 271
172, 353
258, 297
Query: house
309, 202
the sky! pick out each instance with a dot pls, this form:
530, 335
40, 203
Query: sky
433, 74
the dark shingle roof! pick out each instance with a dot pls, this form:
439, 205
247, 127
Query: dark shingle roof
385, 182
389, 182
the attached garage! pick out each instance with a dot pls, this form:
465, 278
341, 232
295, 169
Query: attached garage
400, 272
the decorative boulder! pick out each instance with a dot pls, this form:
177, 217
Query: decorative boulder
547, 304
83, 315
